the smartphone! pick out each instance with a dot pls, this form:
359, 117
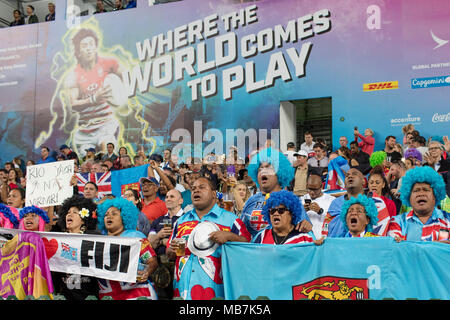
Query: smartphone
443, 235
356, 128
307, 201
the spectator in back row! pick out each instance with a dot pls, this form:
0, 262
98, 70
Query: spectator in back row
359, 159
31, 16
51, 15
100, 7
319, 163
308, 145
68, 153
18, 19
368, 142
118, 5
45, 156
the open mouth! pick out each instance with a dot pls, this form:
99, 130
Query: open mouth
353, 221
276, 219
422, 201
264, 179
29, 223
196, 197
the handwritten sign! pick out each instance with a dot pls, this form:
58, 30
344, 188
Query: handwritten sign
48, 184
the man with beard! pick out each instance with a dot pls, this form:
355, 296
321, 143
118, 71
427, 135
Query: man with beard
422, 189
391, 154
271, 171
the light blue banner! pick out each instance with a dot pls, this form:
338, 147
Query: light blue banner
363, 268
127, 178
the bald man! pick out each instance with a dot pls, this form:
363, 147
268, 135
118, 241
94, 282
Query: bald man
316, 203
159, 234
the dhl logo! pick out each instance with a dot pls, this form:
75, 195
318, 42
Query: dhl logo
380, 86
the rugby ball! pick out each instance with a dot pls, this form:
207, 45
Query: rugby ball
119, 95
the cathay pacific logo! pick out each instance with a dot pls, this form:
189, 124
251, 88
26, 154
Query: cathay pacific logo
430, 82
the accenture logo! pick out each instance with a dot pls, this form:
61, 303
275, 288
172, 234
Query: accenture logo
440, 117
430, 82
406, 120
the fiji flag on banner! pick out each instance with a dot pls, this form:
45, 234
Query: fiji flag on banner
101, 179
127, 179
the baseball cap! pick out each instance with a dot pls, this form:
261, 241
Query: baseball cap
151, 179
64, 146
90, 149
301, 153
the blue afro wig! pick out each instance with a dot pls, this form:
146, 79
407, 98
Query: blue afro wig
283, 167
128, 211
369, 206
33, 209
424, 174
7, 213
289, 200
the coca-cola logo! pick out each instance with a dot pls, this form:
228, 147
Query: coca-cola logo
441, 117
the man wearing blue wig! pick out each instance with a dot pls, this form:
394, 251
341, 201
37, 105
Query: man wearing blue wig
359, 215
422, 189
271, 171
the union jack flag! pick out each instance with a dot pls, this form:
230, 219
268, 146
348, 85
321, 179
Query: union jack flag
381, 228
102, 180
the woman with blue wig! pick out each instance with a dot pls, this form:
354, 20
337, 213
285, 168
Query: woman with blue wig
272, 172
359, 215
422, 189
118, 217
283, 211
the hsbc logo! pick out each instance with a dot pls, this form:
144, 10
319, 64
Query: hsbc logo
376, 86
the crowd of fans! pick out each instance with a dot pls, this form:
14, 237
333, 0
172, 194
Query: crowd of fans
30, 16
249, 198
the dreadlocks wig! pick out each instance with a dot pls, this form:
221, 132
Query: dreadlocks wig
43, 217
289, 200
424, 174
283, 168
369, 206
7, 218
87, 209
128, 211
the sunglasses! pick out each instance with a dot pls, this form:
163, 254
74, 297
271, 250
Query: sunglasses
279, 210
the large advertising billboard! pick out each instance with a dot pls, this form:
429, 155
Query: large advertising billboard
188, 71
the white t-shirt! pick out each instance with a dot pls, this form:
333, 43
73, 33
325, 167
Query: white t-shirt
309, 149
324, 202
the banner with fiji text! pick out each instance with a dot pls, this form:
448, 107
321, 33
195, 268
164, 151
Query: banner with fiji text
113, 258
340, 269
